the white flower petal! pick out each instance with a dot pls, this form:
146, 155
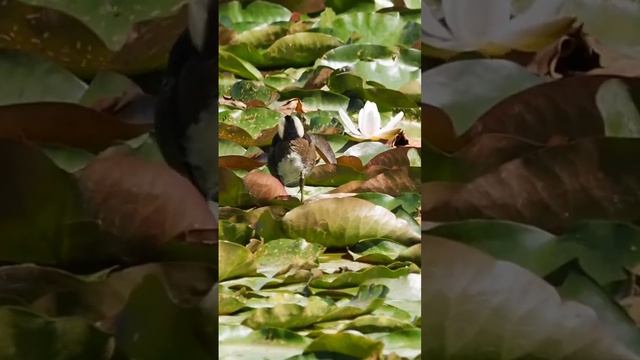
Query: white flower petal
369, 119
538, 12
348, 125
431, 26
536, 36
393, 122
474, 20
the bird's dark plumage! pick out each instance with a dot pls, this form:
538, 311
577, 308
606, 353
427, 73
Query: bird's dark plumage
292, 154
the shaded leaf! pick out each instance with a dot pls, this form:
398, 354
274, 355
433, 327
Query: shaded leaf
481, 311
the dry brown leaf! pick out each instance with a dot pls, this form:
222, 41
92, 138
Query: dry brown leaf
353, 162
547, 112
392, 182
263, 187
319, 78
65, 124
554, 187
238, 162
437, 129
138, 199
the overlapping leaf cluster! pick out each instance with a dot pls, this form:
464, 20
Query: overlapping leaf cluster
530, 197
337, 276
106, 252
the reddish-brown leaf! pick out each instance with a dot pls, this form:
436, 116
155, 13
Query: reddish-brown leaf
564, 108
437, 129
238, 162
392, 158
135, 198
353, 162
263, 187
552, 188
65, 124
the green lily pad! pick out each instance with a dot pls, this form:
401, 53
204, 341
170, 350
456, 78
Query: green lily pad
462, 291
68, 159
318, 99
246, 91
226, 148
343, 346
344, 222
619, 112
373, 324
466, 89
230, 62
289, 316
254, 120
262, 35
406, 343
366, 150
376, 251
229, 302
351, 279
307, 46
368, 298
234, 260
386, 99
351, 54
233, 14
238, 233
107, 85
42, 226
267, 344
275, 255
369, 27
151, 324
580, 288
542, 252
60, 338
27, 78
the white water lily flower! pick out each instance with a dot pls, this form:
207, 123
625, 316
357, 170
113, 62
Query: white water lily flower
369, 124
488, 26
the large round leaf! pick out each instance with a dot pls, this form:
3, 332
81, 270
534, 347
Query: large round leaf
277, 255
130, 197
343, 222
483, 308
369, 27
306, 46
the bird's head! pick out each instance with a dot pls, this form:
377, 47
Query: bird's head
290, 127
